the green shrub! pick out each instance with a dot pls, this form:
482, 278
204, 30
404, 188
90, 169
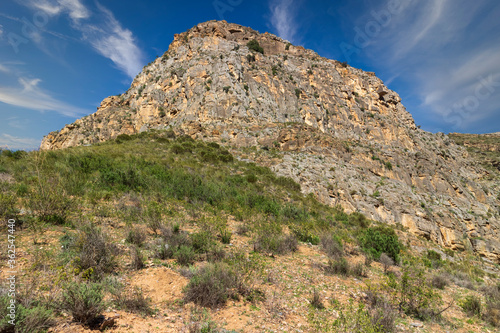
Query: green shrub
491, 313
440, 281
185, 255
380, 239
137, 258
332, 245
94, 253
225, 236
359, 220
471, 305
33, 319
305, 233
359, 319
338, 266
171, 242
212, 285
298, 92
252, 178
7, 206
136, 236
49, 202
288, 183
177, 149
411, 293
203, 241
123, 137
316, 300
275, 242
254, 46
83, 300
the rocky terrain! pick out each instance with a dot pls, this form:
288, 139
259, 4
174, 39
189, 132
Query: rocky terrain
336, 130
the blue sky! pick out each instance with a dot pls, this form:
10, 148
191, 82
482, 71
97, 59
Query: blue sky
60, 58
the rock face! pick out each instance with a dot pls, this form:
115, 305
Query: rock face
337, 130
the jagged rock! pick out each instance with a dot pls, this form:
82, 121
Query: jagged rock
342, 134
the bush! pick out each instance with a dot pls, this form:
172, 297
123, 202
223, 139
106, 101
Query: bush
136, 236
213, 285
185, 255
491, 314
7, 206
225, 236
137, 258
380, 239
84, 301
386, 261
316, 300
123, 137
32, 319
411, 292
471, 305
171, 242
359, 220
254, 46
95, 255
359, 270
359, 319
276, 243
133, 302
332, 245
439, 281
49, 202
338, 266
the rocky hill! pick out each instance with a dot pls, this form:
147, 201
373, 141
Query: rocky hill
336, 130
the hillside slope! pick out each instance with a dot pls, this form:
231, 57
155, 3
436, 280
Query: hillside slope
337, 130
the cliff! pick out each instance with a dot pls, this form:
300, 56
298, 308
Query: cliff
337, 130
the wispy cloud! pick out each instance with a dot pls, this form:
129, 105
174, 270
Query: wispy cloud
442, 50
75, 9
100, 29
14, 142
283, 18
30, 96
113, 41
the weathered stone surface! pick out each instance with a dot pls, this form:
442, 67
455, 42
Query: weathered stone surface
337, 130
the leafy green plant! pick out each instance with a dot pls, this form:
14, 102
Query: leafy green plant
84, 300
381, 239
471, 305
212, 285
254, 46
32, 319
133, 301
411, 293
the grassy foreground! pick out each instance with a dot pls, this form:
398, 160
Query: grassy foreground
90, 222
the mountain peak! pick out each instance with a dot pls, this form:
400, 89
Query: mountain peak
337, 130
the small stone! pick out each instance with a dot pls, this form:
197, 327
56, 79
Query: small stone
417, 324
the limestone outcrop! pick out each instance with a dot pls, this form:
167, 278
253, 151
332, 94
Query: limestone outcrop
337, 130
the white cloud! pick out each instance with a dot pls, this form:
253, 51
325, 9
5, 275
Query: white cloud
4, 69
442, 50
75, 9
114, 42
32, 97
100, 29
283, 18
14, 142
